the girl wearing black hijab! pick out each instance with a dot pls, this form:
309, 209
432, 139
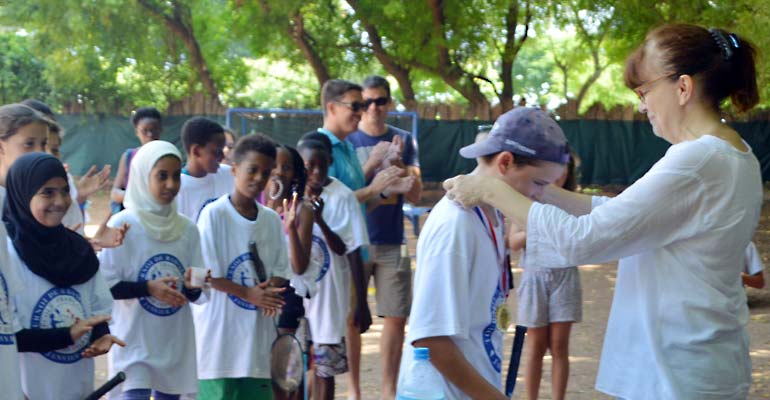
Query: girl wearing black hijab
64, 303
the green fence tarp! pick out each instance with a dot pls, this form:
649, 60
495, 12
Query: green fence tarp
611, 152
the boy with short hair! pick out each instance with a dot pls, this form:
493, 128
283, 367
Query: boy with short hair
235, 330
327, 310
379, 145
204, 179
460, 282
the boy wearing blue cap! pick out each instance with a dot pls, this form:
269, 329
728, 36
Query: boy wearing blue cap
460, 283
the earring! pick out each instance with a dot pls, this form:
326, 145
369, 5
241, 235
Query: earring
279, 192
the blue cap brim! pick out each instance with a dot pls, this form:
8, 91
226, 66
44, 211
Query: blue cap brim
480, 149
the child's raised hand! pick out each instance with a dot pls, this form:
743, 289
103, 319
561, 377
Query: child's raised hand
93, 181
317, 204
160, 289
265, 297
290, 212
102, 346
106, 237
83, 326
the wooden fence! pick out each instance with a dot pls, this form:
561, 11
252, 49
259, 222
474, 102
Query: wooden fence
200, 104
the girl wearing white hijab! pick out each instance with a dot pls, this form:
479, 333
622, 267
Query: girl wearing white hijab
149, 278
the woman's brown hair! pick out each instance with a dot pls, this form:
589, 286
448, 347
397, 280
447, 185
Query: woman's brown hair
722, 62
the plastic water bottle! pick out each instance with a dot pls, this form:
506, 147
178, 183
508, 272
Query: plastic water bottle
421, 381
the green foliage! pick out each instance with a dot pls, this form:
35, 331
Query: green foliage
21, 73
111, 55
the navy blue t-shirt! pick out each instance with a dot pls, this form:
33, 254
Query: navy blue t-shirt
386, 222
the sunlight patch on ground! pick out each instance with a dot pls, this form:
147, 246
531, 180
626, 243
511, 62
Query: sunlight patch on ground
761, 353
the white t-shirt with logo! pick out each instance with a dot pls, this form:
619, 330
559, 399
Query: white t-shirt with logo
60, 374
457, 289
328, 309
160, 339
305, 285
233, 337
196, 193
10, 378
753, 264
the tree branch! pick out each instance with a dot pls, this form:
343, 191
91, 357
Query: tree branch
438, 33
389, 62
180, 25
304, 41
489, 81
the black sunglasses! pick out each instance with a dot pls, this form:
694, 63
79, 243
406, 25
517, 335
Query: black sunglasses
380, 101
355, 106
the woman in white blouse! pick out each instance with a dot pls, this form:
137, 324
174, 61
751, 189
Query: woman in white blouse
677, 325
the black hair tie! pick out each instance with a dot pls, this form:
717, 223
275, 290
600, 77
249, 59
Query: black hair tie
723, 43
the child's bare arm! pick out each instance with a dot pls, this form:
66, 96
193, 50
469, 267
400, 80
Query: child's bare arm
756, 281
117, 192
300, 240
453, 365
261, 295
332, 239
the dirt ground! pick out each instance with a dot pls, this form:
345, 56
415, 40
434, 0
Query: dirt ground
587, 337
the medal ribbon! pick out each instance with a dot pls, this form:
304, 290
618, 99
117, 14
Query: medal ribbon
487, 222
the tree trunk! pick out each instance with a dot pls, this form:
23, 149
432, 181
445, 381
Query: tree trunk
510, 51
179, 24
399, 71
452, 73
598, 69
564, 70
303, 40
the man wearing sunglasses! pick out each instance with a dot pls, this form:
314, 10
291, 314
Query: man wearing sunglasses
378, 146
342, 105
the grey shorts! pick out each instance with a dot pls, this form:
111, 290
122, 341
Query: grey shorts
330, 360
392, 280
549, 295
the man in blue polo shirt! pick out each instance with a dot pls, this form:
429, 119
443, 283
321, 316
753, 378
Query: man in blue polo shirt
378, 146
342, 105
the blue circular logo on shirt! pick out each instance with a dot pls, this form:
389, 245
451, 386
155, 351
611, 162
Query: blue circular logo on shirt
161, 266
241, 272
490, 331
319, 253
61, 308
6, 314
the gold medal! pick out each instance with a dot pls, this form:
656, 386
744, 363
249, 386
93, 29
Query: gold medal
503, 317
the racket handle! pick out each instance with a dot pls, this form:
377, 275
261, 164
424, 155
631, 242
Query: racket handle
109, 385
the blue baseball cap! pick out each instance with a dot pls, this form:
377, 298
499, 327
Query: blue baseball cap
523, 131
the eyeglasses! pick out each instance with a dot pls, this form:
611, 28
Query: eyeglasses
645, 88
356, 106
380, 101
